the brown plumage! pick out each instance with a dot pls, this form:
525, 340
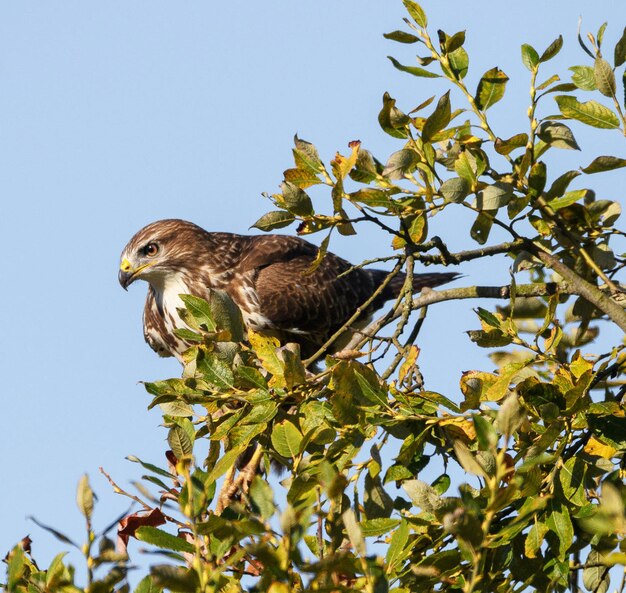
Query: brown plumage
268, 276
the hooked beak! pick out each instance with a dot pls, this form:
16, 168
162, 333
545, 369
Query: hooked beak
127, 274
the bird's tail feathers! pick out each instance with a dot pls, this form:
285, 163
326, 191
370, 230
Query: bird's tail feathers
420, 281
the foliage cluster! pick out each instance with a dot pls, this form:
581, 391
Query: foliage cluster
282, 476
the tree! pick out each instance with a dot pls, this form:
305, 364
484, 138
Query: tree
540, 439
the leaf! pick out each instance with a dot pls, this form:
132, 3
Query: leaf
151, 467
439, 118
494, 196
179, 442
561, 184
530, 57
459, 63
262, 496
306, 156
401, 37
84, 497
400, 163
354, 531
572, 478
568, 199
414, 70
296, 200
277, 219
175, 578
535, 538
482, 226
147, 585
510, 415
557, 135
596, 573
490, 88
467, 460
619, 54
507, 146
303, 178
591, 113
200, 311
604, 163
286, 439
391, 119
417, 12
559, 522
583, 77
455, 42
455, 189
265, 348
162, 539
553, 49
215, 371
397, 550
604, 77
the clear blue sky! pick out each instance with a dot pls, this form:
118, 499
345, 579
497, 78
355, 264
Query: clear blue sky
115, 114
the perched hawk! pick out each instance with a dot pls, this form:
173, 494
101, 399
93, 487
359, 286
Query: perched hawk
268, 277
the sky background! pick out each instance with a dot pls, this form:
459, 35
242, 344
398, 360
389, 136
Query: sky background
115, 114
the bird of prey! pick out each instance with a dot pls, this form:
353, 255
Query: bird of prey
268, 276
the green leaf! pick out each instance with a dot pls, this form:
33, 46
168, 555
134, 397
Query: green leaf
147, 585
561, 184
262, 496
374, 527
494, 196
353, 530
391, 119
417, 12
400, 163
401, 37
558, 135
306, 156
534, 539
179, 442
150, 467
200, 311
162, 539
459, 63
277, 219
438, 119
530, 57
604, 163
507, 146
553, 49
215, 371
572, 478
482, 226
398, 551
455, 42
16, 567
604, 77
583, 77
559, 522
619, 55
175, 578
287, 439
591, 113
296, 200
84, 497
455, 189
596, 574
490, 88
414, 70
568, 199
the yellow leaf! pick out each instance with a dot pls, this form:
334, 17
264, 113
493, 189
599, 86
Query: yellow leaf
595, 447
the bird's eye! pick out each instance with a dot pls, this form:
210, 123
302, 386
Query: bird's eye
151, 249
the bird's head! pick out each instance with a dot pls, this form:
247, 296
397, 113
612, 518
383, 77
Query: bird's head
156, 251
